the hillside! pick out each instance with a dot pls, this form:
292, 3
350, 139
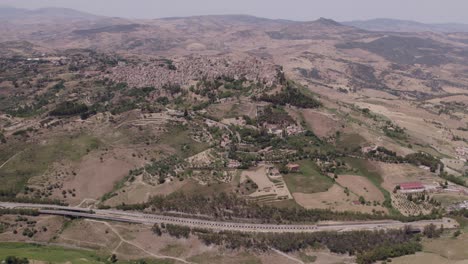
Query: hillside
16, 15
395, 25
234, 121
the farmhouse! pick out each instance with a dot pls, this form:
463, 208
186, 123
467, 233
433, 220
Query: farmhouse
368, 149
274, 130
294, 130
233, 164
411, 187
293, 167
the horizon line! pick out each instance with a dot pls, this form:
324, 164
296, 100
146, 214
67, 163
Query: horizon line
238, 14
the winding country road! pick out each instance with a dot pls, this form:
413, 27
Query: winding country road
151, 219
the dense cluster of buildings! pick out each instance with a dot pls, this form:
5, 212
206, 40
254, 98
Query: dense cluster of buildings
187, 69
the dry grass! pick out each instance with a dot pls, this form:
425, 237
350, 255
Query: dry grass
95, 177
361, 186
334, 199
322, 124
230, 258
394, 174
52, 223
87, 234
426, 258
448, 247
139, 192
449, 198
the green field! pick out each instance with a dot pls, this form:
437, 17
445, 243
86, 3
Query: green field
51, 254
34, 160
307, 258
309, 180
349, 142
178, 138
363, 168
55, 254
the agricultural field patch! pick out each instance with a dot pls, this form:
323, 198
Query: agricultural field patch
51, 254
309, 180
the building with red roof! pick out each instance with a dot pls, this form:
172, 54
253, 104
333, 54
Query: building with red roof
411, 186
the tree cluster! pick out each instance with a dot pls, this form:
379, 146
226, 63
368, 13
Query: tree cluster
15, 260
369, 246
9, 196
69, 109
457, 180
2, 138
31, 212
231, 207
292, 96
424, 159
388, 251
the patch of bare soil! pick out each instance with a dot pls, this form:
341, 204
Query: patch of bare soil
426, 258
88, 234
97, 174
139, 192
322, 124
334, 199
138, 240
361, 186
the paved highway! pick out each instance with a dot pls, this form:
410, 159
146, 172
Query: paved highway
151, 219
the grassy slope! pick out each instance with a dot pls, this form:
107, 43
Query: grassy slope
177, 137
363, 168
51, 254
55, 254
309, 180
34, 160
349, 141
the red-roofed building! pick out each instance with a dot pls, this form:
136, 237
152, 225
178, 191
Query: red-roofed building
411, 186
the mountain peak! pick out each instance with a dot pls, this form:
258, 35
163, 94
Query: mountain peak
328, 22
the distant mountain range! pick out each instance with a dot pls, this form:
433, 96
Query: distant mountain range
56, 15
50, 13
395, 25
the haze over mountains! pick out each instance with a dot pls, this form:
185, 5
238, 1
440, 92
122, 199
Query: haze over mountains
395, 25
42, 13
52, 14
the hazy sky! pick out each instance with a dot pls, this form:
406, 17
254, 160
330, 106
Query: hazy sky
341, 10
